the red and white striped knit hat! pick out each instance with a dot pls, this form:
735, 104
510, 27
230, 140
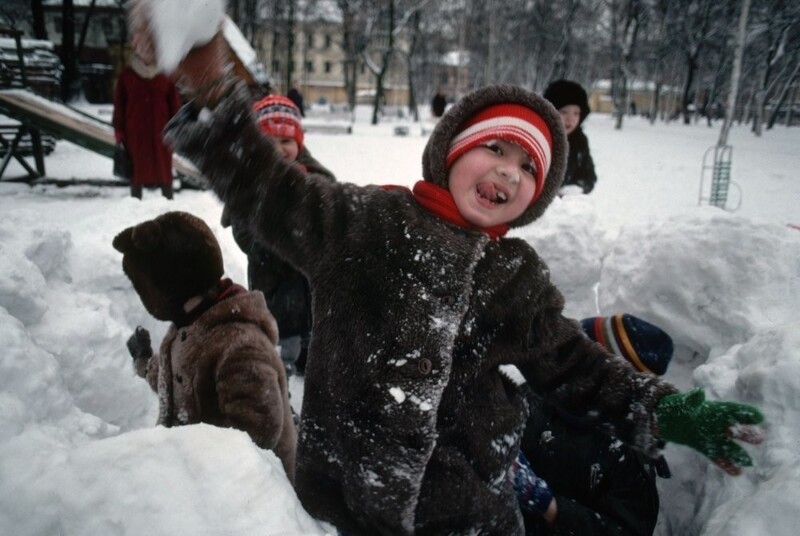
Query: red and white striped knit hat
510, 122
279, 116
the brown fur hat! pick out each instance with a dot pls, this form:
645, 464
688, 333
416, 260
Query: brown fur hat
169, 260
434, 157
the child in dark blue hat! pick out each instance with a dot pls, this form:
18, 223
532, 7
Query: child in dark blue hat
580, 480
648, 348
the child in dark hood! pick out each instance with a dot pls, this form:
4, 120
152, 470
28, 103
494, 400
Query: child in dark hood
284, 287
580, 480
572, 103
407, 425
217, 363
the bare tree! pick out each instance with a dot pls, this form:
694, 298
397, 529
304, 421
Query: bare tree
735, 72
626, 17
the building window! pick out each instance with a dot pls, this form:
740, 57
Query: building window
276, 66
310, 41
363, 67
327, 41
309, 66
328, 67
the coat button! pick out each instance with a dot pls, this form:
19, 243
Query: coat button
425, 365
183, 336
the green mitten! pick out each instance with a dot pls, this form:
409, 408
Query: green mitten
688, 419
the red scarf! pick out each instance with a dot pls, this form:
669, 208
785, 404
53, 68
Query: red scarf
221, 291
439, 201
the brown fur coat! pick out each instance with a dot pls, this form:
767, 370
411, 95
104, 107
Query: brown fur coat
224, 370
408, 425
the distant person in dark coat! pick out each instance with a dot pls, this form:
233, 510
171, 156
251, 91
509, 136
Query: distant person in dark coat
438, 104
572, 103
144, 101
573, 478
297, 98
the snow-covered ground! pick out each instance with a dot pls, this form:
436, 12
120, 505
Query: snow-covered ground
79, 453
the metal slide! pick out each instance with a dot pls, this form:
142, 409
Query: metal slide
35, 112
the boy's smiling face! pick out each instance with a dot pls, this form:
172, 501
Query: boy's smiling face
287, 147
493, 183
571, 116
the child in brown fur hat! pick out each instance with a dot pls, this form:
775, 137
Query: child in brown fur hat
408, 425
217, 363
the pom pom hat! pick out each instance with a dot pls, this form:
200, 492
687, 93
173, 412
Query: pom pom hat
510, 122
646, 346
279, 116
459, 118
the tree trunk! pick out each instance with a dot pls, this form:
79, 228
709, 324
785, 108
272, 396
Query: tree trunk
290, 46
68, 49
39, 28
736, 71
691, 67
386, 57
782, 96
413, 109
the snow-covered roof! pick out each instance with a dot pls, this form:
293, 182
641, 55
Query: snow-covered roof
242, 49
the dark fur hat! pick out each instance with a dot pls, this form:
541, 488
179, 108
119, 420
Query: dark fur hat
564, 92
434, 168
169, 260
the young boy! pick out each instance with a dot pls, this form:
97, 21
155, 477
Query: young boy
284, 287
580, 480
217, 363
408, 426
572, 103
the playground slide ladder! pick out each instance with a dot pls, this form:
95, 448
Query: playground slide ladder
715, 178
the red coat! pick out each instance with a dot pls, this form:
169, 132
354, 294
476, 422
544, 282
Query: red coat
142, 108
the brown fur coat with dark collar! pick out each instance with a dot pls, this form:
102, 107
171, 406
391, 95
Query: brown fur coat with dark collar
408, 426
224, 370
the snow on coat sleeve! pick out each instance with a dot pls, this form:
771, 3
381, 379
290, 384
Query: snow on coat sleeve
297, 214
581, 377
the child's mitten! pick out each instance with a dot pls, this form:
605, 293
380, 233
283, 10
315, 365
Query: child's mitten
139, 344
532, 492
708, 427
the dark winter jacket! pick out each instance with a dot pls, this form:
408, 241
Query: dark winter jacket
284, 287
224, 370
142, 107
580, 166
601, 486
408, 426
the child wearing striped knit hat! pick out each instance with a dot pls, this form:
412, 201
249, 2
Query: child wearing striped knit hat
284, 287
645, 346
408, 424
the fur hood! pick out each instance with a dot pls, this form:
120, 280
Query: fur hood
433, 159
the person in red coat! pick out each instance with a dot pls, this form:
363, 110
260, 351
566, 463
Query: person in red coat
144, 101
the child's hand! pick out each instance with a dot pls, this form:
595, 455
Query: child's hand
708, 427
139, 344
